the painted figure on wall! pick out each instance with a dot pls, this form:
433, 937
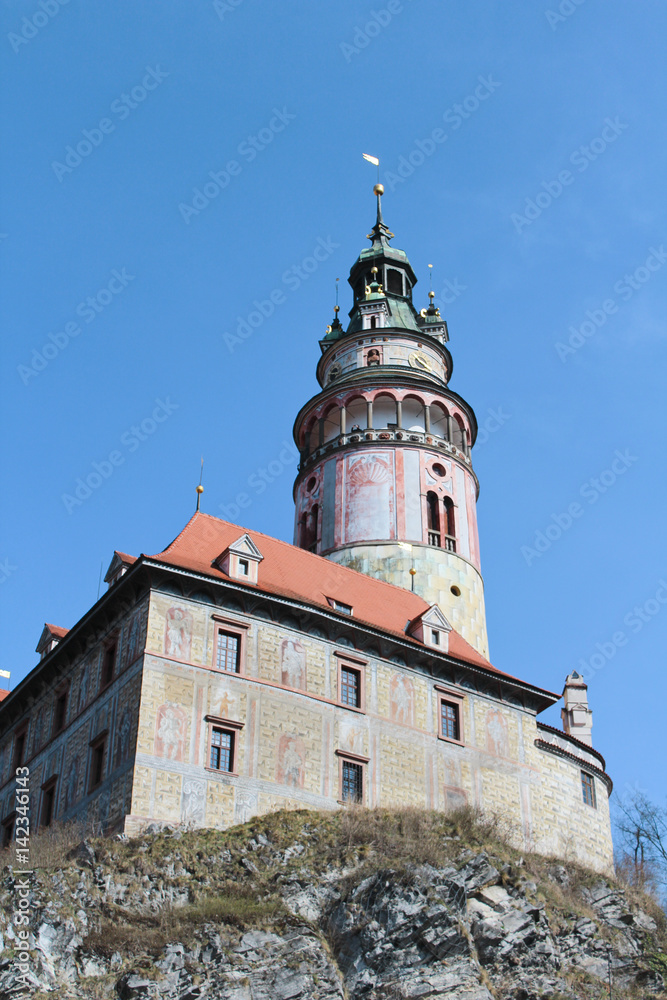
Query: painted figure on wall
123, 738
133, 640
72, 786
82, 697
402, 700
170, 730
193, 801
497, 741
293, 664
455, 798
291, 763
178, 633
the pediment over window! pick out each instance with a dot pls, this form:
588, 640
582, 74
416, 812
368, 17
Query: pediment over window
431, 628
241, 560
118, 566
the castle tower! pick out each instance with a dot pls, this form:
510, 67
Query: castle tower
385, 482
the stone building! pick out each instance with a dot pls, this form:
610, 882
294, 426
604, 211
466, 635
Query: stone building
232, 674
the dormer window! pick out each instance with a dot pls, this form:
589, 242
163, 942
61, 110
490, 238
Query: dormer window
431, 628
118, 567
241, 560
337, 605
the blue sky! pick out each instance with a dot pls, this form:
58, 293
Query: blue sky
541, 207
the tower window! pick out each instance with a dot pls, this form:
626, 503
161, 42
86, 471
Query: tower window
433, 518
450, 539
588, 789
374, 322
394, 282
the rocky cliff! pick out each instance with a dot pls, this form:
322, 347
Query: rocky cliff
303, 906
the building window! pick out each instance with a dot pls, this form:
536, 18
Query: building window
450, 715
450, 720
48, 802
588, 789
352, 781
228, 652
221, 756
346, 609
108, 664
350, 686
433, 519
19, 747
97, 748
435, 637
60, 712
244, 567
450, 526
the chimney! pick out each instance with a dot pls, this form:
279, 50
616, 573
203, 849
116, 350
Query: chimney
575, 713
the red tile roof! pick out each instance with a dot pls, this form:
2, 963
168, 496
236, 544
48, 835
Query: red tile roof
3, 694
124, 558
292, 572
56, 630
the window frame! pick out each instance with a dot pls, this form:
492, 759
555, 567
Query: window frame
240, 631
49, 795
346, 662
107, 678
62, 697
233, 728
100, 741
588, 784
447, 696
21, 734
358, 761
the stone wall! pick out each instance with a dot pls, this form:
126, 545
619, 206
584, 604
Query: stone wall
91, 712
285, 703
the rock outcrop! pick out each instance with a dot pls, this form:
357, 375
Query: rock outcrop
300, 906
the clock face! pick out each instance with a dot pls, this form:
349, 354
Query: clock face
419, 360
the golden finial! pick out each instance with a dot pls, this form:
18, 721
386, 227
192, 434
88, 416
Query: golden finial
200, 488
378, 189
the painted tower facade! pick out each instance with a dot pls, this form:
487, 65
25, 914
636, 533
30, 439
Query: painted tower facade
385, 482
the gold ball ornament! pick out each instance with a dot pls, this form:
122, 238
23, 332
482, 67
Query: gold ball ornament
378, 189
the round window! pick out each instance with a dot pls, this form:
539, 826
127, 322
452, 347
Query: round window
439, 470
311, 484
455, 591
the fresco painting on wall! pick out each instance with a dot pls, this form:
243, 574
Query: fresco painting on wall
193, 802
170, 730
402, 700
293, 664
291, 762
178, 633
497, 741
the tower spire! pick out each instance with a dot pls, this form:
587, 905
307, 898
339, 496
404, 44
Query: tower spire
380, 234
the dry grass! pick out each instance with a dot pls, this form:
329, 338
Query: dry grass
136, 934
49, 847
